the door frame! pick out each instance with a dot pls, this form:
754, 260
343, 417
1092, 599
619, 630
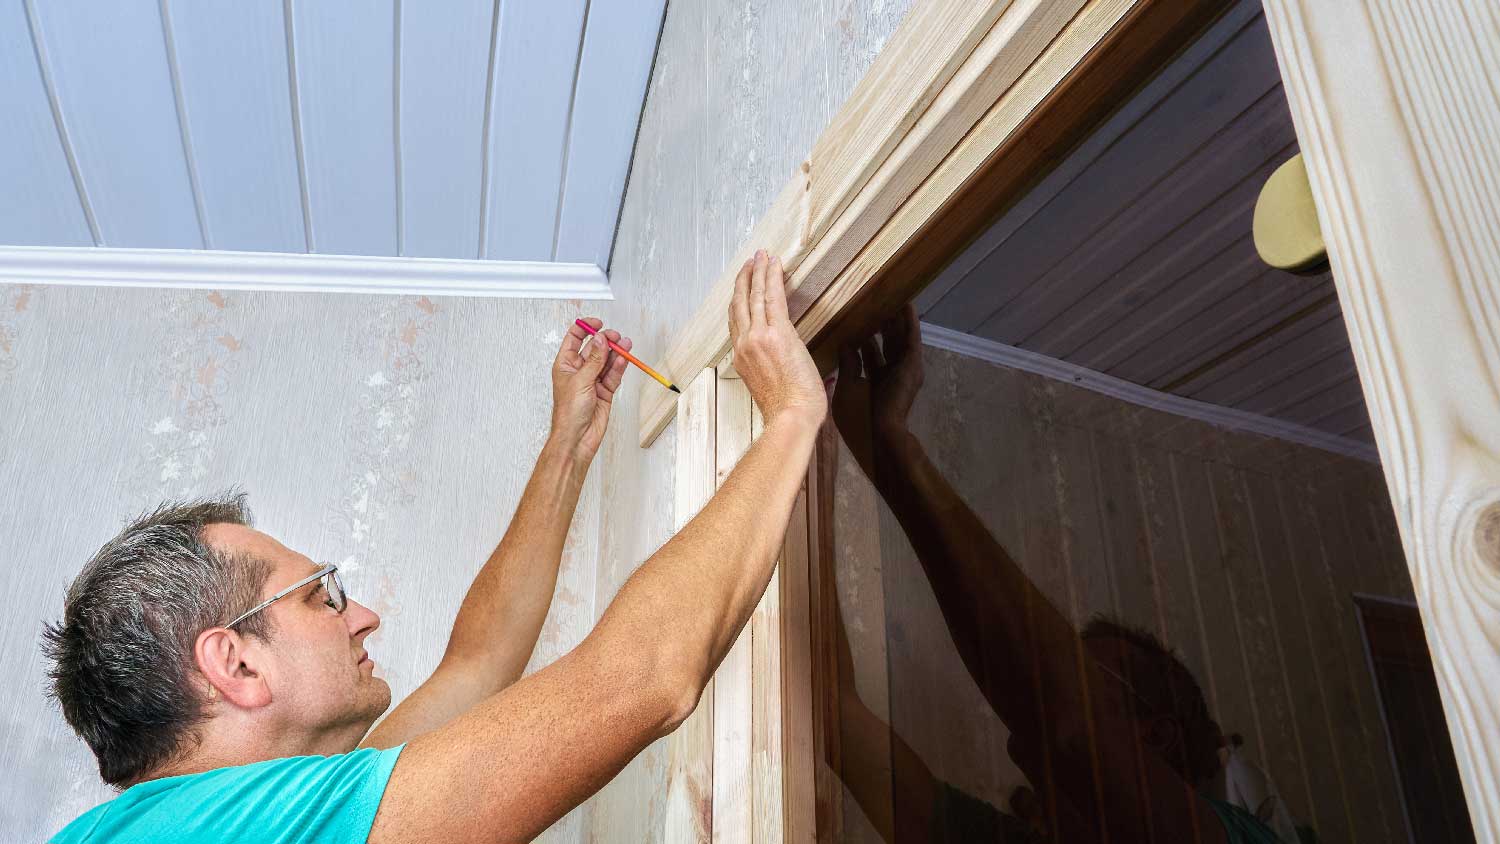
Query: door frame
968, 105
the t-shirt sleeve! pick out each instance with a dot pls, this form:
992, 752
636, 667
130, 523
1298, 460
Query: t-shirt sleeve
325, 798
297, 800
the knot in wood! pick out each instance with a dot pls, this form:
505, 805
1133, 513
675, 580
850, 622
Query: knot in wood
1487, 535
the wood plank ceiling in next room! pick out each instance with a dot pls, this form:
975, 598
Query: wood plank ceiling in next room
1134, 258
461, 129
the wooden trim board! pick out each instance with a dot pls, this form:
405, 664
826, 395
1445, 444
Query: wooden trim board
300, 272
1398, 116
690, 749
733, 802
1032, 85
728, 762
996, 123
953, 59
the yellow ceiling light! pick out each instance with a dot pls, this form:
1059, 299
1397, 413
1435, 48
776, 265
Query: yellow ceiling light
1286, 222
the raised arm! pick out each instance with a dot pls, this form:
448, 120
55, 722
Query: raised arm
1067, 718
508, 768
502, 614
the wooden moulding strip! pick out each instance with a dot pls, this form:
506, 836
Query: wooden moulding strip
873, 156
768, 763
1104, 53
828, 762
920, 58
798, 741
690, 748
733, 791
704, 341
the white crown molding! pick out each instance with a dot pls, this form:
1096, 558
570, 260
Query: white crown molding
223, 270
1078, 376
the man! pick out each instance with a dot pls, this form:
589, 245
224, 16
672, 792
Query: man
221, 678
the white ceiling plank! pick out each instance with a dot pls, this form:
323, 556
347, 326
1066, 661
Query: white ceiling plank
41, 205
535, 63
231, 67
345, 66
443, 64
108, 65
618, 45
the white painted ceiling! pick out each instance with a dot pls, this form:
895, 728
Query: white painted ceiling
454, 129
1134, 257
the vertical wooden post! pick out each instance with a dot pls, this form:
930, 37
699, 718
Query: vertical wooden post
690, 750
1397, 109
733, 803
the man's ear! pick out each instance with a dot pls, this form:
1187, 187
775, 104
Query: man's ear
231, 668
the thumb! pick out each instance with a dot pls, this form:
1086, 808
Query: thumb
594, 364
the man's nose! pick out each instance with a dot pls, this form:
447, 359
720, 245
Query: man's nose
361, 619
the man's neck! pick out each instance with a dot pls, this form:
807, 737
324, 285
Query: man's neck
215, 751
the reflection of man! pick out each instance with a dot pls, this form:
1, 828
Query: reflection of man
221, 678
1108, 725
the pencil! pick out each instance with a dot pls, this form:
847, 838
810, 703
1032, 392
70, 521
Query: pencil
628, 356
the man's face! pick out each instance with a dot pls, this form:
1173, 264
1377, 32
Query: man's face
314, 662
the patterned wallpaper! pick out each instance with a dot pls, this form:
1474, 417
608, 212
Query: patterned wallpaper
392, 434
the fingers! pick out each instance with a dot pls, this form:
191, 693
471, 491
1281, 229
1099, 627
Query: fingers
776, 293
758, 289
910, 325
848, 363
869, 351
739, 305
573, 341
898, 333
593, 363
615, 370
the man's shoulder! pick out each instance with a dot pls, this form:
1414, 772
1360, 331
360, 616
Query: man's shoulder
296, 798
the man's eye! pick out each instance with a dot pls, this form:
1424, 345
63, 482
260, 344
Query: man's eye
328, 602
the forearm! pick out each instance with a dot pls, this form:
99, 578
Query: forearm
683, 608
1005, 628
502, 614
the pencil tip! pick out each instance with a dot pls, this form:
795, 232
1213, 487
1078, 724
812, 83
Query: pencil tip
673, 388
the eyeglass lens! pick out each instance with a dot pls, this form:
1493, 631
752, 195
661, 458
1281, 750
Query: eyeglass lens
335, 586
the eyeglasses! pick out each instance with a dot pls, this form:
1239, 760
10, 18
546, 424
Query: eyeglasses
329, 574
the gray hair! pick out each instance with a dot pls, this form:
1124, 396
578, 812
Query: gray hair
122, 656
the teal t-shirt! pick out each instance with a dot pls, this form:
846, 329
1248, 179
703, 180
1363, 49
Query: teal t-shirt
300, 799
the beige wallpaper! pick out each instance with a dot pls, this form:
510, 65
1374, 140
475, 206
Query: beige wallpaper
391, 434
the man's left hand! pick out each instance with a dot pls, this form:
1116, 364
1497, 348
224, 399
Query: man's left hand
583, 386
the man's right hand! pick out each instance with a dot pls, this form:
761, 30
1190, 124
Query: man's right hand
768, 354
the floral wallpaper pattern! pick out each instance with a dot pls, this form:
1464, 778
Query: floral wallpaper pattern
200, 355
15, 305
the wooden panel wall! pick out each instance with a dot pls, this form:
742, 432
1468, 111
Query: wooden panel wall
1241, 551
